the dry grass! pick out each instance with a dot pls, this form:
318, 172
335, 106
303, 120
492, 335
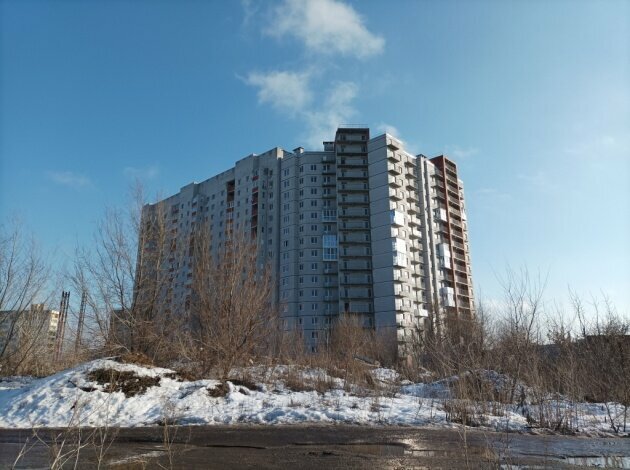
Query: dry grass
127, 382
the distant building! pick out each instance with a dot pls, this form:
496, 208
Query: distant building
35, 328
361, 227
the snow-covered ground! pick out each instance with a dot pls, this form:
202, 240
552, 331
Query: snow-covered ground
73, 398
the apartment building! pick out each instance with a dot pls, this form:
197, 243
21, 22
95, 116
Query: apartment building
361, 227
34, 328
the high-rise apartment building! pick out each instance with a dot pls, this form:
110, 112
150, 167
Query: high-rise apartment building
361, 227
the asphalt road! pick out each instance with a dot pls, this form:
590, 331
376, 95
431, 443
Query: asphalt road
306, 447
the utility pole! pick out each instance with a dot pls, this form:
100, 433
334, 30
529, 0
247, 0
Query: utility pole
77, 342
61, 326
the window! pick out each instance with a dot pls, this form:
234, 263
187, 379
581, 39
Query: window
314, 253
313, 215
314, 334
314, 240
314, 266
314, 320
313, 179
313, 167
313, 190
314, 293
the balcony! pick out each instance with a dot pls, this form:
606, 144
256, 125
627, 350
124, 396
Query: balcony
460, 269
353, 238
353, 200
456, 223
396, 218
355, 212
459, 257
347, 175
394, 182
395, 169
353, 187
393, 144
393, 157
396, 194
353, 225
399, 259
329, 215
414, 221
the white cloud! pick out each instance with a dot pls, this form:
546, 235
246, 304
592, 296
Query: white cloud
388, 129
460, 153
285, 91
69, 179
146, 173
336, 109
250, 10
325, 27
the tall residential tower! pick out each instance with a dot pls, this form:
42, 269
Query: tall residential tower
361, 227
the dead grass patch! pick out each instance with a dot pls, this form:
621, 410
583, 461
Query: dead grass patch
219, 391
127, 382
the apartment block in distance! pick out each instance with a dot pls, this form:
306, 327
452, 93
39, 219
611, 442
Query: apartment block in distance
34, 328
361, 227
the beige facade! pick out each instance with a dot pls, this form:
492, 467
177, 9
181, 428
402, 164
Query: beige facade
361, 227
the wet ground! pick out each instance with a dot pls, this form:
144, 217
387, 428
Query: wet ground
307, 447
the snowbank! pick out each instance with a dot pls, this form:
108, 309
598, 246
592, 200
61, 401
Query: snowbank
82, 396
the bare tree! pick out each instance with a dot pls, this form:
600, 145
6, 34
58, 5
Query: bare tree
604, 352
123, 276
520, 334
23, 279
232, 318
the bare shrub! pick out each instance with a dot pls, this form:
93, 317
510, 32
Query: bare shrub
23, 279
232, 319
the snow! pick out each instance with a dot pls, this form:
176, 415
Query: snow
70, 398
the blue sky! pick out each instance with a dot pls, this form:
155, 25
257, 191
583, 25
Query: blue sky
532, 99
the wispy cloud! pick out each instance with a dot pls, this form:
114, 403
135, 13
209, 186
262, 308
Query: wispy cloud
284, 91
325, 27
460, 153
388, 129
606, 146
336, 109
145, 173
70, 179
539, 180
250, 9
